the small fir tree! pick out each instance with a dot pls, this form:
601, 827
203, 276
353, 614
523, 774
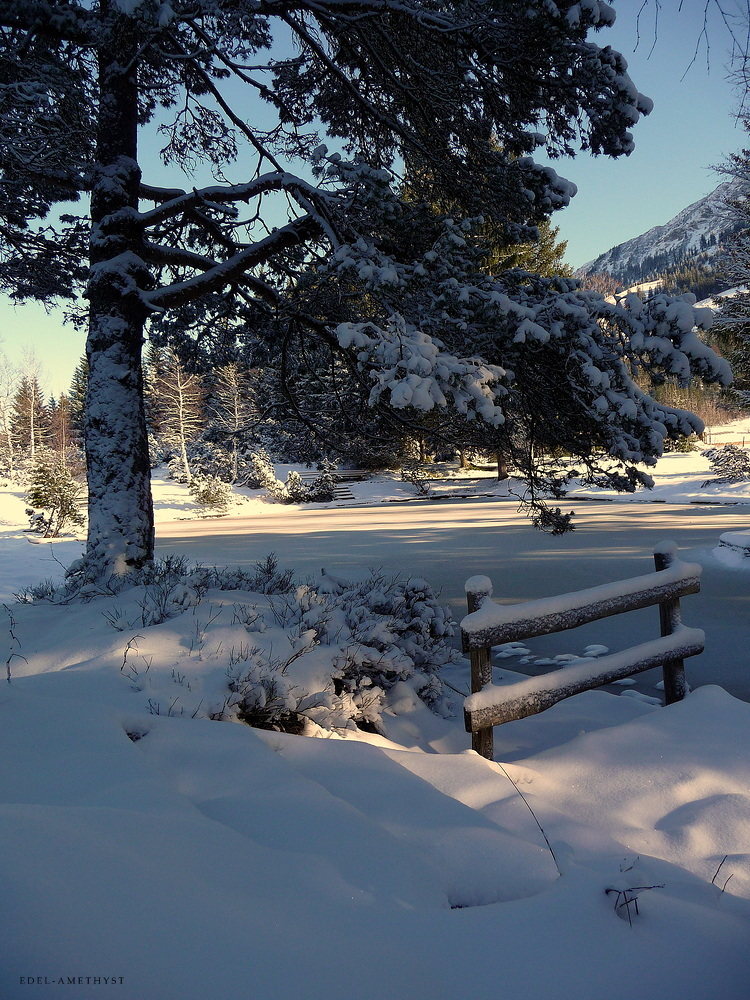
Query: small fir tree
77, 395
730, 462
296, 491
55, 497
210, 492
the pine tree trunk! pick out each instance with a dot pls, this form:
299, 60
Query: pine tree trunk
121, 520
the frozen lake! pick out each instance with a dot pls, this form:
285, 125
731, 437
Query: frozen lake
447, 542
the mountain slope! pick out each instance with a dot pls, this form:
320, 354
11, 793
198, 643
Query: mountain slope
694, 233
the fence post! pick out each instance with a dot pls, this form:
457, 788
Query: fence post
477, 588
675, 685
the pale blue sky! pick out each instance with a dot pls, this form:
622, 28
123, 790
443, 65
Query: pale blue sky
692, 128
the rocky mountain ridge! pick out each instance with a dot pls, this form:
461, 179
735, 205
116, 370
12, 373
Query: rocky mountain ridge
696, 232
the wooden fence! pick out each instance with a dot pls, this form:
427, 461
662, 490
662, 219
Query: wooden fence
489, 624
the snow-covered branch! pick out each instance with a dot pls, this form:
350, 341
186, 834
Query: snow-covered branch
235, 269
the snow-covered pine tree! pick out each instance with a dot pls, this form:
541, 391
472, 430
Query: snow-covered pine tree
30, 419
79, 80
732, 329
179, 396
730, 463
54, 495
264, 475
77, 395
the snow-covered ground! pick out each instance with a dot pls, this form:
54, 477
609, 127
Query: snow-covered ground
170, 856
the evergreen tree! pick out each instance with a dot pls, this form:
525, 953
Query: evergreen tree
77, 395
732, 331
54, 495
79, 79
543, 255
153, 371
30, 419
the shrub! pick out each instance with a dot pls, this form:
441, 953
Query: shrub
730, 462
418, 477
295, 490
684, 445
265, 474
327, 653
386, 631
322, 488
208, 491
174, 573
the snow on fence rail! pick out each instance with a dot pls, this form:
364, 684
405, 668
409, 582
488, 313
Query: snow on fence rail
489, 624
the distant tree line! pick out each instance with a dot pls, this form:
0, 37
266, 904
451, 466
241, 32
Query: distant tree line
34, 428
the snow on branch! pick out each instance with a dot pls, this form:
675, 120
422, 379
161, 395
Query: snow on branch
415, 370
235, 269
220, 197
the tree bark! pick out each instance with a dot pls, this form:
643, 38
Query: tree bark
121, 521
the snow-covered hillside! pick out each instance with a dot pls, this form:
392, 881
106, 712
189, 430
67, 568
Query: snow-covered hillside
699, 227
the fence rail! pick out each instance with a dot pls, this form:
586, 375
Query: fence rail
489, 624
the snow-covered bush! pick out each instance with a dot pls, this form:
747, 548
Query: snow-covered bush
730, 462
320, 490
211, 492
380, 632
174, 573
328, 653
322, 487
294, 490
176, 470
265, 474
